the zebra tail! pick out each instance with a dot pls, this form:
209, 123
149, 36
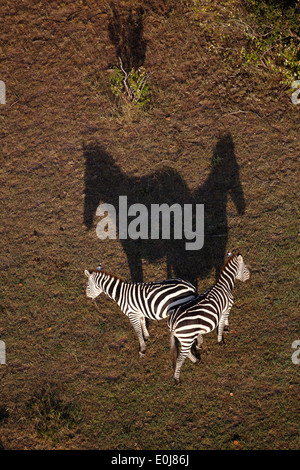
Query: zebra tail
174, 348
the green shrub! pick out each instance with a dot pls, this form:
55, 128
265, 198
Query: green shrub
273, 37
131, 87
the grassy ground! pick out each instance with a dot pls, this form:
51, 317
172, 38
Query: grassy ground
73, 378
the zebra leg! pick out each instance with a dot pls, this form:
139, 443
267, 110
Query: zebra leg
193, 358
137, 326
223, 325
194, 354
220, 330
226, 316
144, 327
180, 360
199, 341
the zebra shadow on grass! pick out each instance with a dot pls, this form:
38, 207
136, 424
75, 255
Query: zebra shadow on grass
105, 182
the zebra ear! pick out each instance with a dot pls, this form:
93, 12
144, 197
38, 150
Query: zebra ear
233, 252
87, 273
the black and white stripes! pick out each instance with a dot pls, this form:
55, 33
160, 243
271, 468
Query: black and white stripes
205, 313
154, 300
190, 316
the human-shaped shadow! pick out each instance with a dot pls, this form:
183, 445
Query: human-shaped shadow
105, 182
126, 34
223, 181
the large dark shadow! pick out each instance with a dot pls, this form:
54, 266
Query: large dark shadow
222, 182
105, 182
125, 31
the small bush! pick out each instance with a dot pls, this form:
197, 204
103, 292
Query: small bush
131, 87
51, 414
273, 37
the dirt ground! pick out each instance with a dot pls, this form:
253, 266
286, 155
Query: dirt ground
217, 132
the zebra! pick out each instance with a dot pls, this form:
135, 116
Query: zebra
152, 300
208, 311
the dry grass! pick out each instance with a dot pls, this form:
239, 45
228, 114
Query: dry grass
73, 379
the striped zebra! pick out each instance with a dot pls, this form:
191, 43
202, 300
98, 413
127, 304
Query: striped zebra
208, 311
153, 300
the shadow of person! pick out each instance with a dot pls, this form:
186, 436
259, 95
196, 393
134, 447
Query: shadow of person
223, 181
125, 31
105, 182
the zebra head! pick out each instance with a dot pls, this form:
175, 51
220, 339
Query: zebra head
243, 273
92, 288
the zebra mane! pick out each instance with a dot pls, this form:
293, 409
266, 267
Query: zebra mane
230, 257
103, 271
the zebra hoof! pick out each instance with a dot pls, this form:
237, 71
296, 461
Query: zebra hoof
226, 328
141, 354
